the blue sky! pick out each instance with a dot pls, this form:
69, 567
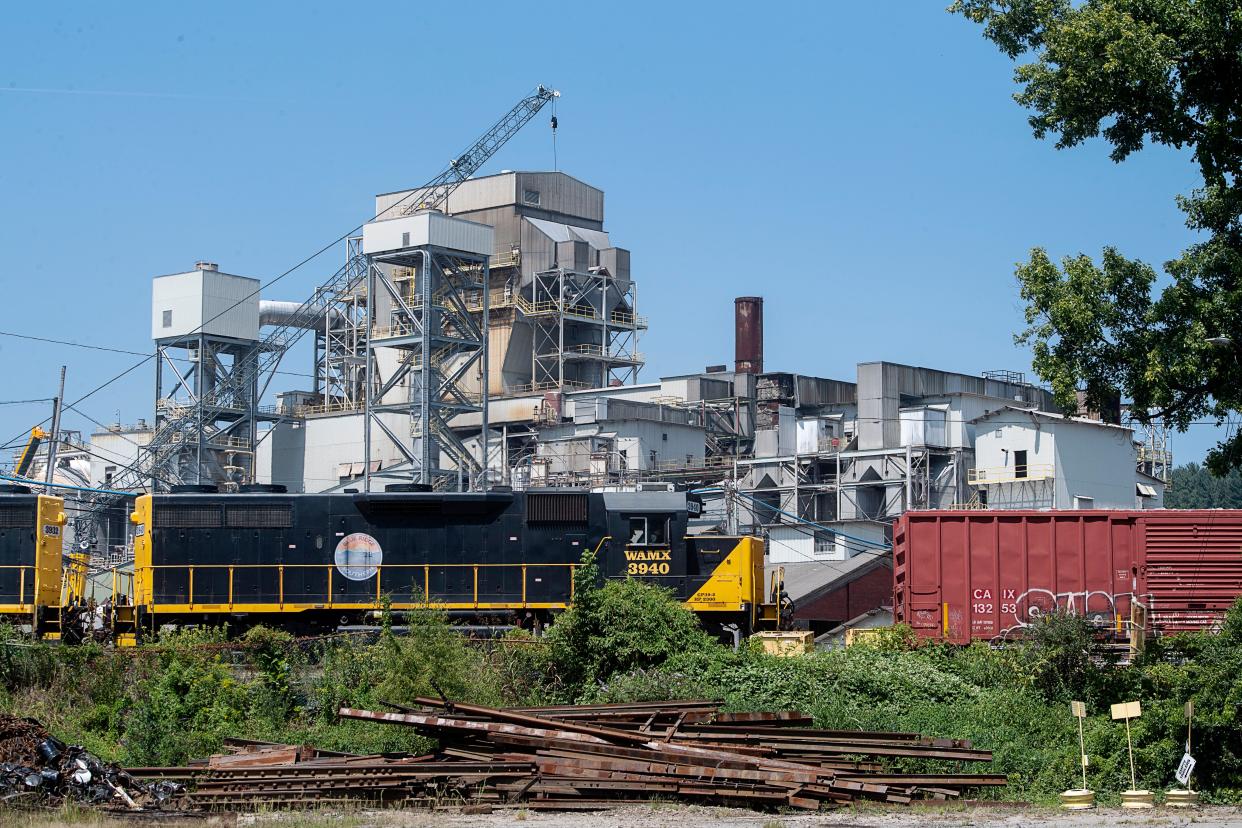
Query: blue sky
862, 166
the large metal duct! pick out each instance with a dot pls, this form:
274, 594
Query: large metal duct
748, 334
273, 312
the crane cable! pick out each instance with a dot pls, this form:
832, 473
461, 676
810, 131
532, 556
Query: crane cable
555, 167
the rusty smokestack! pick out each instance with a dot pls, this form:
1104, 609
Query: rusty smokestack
748, 334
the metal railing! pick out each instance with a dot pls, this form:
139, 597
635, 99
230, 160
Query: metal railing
532, 387
414, 580
325, 408
628, 319
1011, 474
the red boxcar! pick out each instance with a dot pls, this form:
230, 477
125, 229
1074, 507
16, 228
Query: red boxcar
965, 575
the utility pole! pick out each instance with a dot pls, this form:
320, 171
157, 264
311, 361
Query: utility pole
57, 405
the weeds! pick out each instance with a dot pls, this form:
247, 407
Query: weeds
626, 641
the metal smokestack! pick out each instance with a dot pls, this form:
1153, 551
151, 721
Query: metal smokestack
748, 334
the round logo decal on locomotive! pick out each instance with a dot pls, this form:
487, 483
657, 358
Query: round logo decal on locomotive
358, 555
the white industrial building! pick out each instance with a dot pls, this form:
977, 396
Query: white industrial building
1027, 459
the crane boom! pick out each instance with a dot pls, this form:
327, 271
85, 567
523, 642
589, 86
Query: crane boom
436, 192
24, 463
175, 431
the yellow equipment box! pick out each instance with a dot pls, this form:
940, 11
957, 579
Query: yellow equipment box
786, 643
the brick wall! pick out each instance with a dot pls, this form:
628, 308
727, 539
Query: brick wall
871, 591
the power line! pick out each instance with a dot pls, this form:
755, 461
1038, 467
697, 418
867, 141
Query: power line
26, 402
108, 349
441, 181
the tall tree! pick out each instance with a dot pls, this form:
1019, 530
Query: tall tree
1194, 487
1137, 71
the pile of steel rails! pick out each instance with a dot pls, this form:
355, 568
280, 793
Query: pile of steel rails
590, 757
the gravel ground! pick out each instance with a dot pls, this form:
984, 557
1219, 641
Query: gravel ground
668, 816
679, 816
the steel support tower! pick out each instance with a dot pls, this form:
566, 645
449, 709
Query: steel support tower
585, 330
420, 312
341, 341
213, 378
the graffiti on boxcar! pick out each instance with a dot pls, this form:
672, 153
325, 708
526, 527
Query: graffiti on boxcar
1026, 608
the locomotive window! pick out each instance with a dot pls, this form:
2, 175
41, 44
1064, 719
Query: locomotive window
17, 517
260, 517
648, 531
657, 531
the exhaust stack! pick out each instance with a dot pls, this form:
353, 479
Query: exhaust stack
748, 334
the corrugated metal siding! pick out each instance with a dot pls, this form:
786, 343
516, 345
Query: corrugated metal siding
230, 305
538, 252
1193, 567
995, 572
475, 194
559, 193
427, 228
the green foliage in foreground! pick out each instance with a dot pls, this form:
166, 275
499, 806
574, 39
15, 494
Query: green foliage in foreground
179, 698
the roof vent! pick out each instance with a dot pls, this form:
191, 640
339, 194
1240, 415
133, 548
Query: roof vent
202, 265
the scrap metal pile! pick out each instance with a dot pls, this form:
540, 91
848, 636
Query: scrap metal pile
36, 768
589, 757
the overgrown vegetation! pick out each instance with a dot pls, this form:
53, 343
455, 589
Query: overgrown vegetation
179, 698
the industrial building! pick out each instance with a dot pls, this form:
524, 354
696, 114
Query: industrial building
1040, 460
493, 341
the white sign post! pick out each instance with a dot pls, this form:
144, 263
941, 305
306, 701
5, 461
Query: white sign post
1132, 798
1184, 797
1082, 798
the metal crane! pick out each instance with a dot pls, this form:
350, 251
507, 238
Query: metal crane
37, 435
248, 382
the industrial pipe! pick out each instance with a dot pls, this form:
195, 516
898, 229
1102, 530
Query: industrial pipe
748, 334
273, 312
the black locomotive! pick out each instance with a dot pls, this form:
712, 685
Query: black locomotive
316, 561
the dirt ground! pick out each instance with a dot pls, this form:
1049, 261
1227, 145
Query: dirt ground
667, 816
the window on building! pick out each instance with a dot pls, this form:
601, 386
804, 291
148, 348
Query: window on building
109, 473
405, 239
531, 197
167, 319
1019, 464
825, 545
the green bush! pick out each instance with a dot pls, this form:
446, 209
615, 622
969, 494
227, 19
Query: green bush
623, 626
628, 641
432, 660
188, 705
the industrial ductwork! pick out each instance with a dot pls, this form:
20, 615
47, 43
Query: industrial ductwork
294, 314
